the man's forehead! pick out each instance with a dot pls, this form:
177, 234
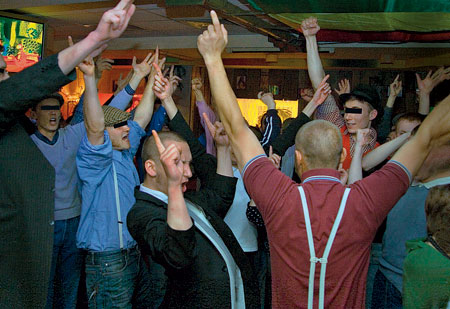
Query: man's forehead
356, 103
49, 101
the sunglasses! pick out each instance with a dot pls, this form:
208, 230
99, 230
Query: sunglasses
120, 124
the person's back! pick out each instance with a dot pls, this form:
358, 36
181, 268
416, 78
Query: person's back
349, 257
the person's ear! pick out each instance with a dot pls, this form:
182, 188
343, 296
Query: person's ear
150, 168
373, 114
33, 114
343, 155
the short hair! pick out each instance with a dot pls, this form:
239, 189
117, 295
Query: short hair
320, 142
56, 96
149, 149
411, 117
437, 209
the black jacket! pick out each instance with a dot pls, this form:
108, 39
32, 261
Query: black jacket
27, 182
198, 276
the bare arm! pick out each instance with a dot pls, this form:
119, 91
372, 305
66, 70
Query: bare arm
144, 110
381, 153
112, 24
355, 171
310, 27
427, 85
434, 129
211, 44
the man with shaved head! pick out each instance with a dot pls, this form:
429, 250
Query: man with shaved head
321, 221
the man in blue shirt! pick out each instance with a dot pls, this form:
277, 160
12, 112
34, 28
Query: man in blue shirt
108, 177
407, 221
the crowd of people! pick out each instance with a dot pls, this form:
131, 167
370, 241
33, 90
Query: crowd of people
282, 216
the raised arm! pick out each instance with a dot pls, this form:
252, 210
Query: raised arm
427, 85
94, 119
384, 128
112, 24
435, 129
203, 107
355, 170
144, 110
272, 122
310, 27
177, 214
224, 165
211, 44
381, 153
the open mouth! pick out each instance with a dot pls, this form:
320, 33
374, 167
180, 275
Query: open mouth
184, 186
53, 121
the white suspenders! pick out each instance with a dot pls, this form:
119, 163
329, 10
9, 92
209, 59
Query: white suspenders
119, 217
312, 252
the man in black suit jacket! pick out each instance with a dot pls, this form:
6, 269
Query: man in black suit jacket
27, 179
205, 265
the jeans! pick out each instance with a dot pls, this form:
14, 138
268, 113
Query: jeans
375, 255
111, 277
385, 294
66, 265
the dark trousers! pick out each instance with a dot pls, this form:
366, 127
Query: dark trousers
66, 266
385, 294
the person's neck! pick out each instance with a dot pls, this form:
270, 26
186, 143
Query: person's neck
436, 176
48, 134
151, 184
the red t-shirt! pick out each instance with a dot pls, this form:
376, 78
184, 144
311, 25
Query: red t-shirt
278, 199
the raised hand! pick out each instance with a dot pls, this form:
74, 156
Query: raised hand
122, 82
217, 132
343, 174
362, 136
212, 42
101, 65
274, 158
322, 92
343, 87
396, 87
173, 81
310, 27
114, 22
267, 99
430, 81
196, 84
143, 69
170, 158
161, 86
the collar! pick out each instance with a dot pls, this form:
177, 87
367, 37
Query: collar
433, 183
324, 174
157, 194
45, 139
